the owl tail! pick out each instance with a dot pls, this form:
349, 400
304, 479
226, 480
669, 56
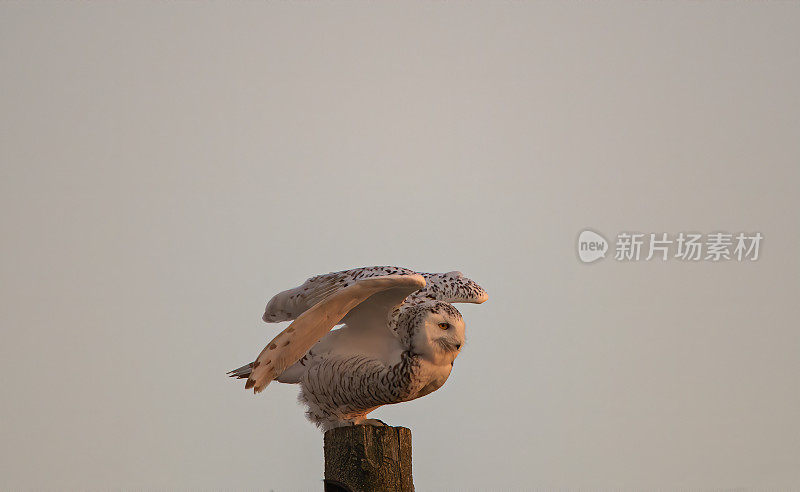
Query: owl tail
291, 375
242, 372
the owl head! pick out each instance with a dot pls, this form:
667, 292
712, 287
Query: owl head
435, 331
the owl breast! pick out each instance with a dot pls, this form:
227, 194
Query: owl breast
430, 377
345, 388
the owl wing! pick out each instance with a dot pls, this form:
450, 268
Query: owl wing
384, 293
291, 303
448, 287
451, 287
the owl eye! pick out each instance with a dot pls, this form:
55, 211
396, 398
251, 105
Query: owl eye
444, 326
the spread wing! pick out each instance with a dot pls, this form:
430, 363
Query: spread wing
309, 327
448, 287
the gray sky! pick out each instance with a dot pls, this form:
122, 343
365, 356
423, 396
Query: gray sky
168, 167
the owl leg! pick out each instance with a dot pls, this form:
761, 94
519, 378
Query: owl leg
331, 422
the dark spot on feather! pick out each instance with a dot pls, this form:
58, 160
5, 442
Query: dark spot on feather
255, 364
249, 384
272, 346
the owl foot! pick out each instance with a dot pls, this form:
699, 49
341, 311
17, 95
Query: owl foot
375, 422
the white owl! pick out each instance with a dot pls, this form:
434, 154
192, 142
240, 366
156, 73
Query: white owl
399, 340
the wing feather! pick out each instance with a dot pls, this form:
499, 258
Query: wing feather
448, 287
294, 342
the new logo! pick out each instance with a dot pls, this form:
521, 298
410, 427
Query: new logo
591, 246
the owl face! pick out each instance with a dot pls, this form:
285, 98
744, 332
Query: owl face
440, 333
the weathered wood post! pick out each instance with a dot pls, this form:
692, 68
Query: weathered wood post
366, 458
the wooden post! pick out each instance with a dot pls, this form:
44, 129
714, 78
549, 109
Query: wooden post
366, 458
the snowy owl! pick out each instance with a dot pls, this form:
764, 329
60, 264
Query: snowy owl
399, 340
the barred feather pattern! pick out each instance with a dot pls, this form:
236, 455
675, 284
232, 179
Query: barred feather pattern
448, 287
342, 390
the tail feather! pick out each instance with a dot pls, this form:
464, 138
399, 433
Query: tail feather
242, 372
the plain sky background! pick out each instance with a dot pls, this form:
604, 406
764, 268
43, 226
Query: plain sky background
168, 167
